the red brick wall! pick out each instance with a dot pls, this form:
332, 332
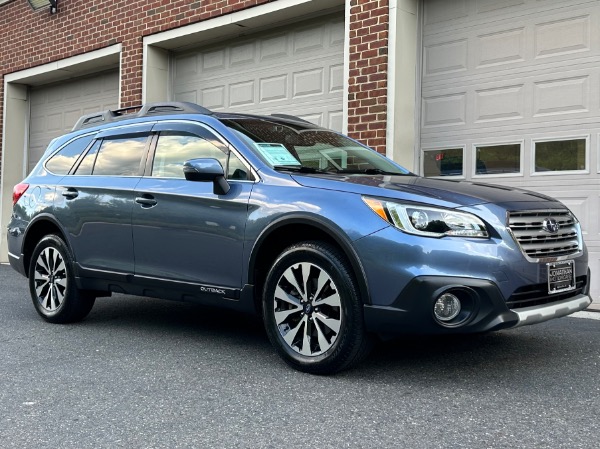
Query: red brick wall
29, 39
367, 96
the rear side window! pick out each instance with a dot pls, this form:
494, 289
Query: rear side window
120, 157
114, 157
61, 162
87, 164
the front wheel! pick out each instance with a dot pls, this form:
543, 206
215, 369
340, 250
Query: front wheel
52, 283
312, 309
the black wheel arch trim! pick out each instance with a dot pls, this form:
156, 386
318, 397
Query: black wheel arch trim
324, 225
48, 218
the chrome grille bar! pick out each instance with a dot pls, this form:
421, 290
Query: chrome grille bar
536, 242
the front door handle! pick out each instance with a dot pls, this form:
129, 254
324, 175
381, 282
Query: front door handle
70, 193
146, 200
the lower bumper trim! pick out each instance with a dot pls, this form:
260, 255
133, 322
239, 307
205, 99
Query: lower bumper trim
537, 314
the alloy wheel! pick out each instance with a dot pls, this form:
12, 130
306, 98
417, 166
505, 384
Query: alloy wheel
307, 309
50, 279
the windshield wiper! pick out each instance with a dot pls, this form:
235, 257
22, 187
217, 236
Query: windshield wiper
296, 168
370, 171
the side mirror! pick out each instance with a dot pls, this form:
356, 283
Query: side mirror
207, 170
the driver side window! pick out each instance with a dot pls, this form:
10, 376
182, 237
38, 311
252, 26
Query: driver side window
175, 147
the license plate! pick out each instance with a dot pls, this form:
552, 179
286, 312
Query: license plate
561, 276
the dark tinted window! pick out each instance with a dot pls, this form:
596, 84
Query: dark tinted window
288, 144
237, 170
87, 164
174, 148
560, 155
120, 157
497, 159
443, 162
62, 161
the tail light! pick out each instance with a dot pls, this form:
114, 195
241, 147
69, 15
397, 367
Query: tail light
18, 192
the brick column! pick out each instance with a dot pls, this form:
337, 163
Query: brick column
367, 94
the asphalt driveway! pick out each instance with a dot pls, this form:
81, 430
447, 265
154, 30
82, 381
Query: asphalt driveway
144, 373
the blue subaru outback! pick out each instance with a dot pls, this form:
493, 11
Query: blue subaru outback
329, 241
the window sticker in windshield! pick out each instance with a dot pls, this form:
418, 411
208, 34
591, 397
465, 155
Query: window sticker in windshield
276, 154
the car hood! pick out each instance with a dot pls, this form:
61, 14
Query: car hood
448, 193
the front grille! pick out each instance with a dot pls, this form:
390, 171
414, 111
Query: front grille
537, 243
537, 295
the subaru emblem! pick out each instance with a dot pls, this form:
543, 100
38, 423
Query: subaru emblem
550, 225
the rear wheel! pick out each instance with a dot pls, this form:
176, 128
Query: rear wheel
312, 310
52, 284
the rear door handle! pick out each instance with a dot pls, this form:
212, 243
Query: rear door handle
70, 193
146, 200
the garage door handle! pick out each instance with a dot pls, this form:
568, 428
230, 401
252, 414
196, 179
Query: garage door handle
146, 200
70, 193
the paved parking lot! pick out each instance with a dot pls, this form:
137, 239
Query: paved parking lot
143, 373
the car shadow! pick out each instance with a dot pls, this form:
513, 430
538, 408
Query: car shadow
497, 357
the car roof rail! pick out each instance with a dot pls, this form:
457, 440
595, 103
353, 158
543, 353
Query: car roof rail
172, 107
150, 109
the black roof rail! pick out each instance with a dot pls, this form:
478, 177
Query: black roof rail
96, 118
163, 108
172, 107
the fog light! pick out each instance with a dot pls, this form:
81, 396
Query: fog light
447, 307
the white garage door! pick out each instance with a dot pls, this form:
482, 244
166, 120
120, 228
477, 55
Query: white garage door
55, 108
511, 95
295, 70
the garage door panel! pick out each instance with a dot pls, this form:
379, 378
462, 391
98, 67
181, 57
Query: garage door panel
212, 61
534, 38
500, 47
242, 54
185, 65
273, 88
297, 71
523, 100
507, 72
445, 57
563, 36
72, 116
190, 96
273, 48
484, 6
500, 103
437, 11
55, 108
563, 95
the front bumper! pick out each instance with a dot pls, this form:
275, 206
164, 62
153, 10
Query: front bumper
539, 314
486, 308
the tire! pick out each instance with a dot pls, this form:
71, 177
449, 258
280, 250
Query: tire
52, 285
320, 331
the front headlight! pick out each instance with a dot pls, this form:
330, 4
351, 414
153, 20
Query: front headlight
428, 221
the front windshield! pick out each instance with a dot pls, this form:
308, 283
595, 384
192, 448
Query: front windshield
285, 146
